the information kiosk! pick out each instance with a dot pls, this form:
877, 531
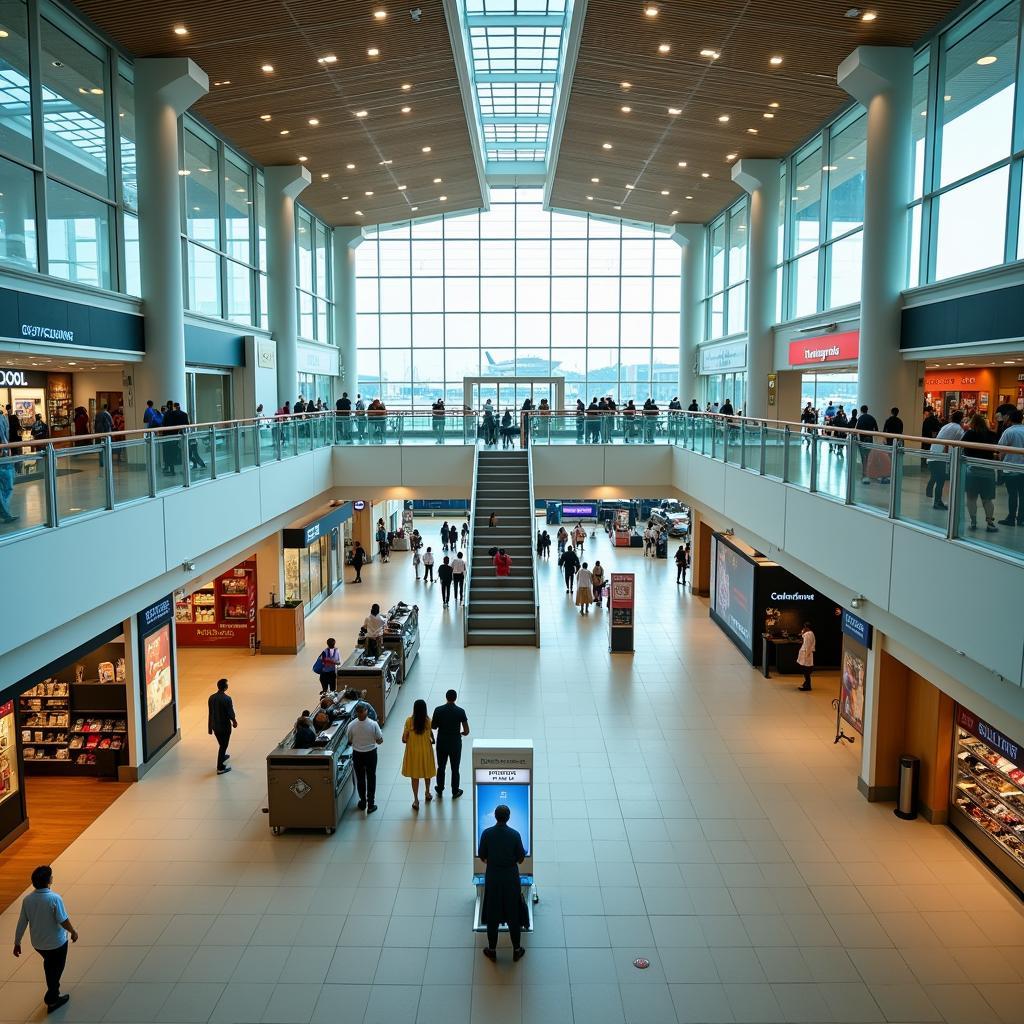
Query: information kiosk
620, 604
503, 774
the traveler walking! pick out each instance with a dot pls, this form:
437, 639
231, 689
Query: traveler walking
43, 914
329, 660
358, 558
681, 565
866, 422
450, 723
344, 417
1013, 437
428, 566
382, 539
365, 737
584, 589
418, 761
502, 563
805, 656
416, 560
569, 563
459, 577
563, 539
465, 534
980, 481
453, 537
492, 520
444, 575
502, 851
547, 544
444, 535
579, 536
220, 721
6, 476
597, 574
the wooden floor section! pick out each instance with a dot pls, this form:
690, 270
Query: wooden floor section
59, 811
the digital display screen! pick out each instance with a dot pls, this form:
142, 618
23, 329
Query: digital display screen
157, 652
8, 753
516, 796
579, 511
733, 593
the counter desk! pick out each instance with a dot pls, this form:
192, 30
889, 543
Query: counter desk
401, 635
378, 677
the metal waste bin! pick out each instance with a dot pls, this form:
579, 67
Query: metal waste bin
906, 797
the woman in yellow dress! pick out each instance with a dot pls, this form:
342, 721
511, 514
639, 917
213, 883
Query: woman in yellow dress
418, 762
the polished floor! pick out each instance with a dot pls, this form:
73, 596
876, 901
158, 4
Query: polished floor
689, 812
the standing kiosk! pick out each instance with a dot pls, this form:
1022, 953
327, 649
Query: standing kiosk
621, 528
503, 774
620, 604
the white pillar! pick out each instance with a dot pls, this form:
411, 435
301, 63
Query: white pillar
760, 179
691, 239
283, 184
345, 242
165, 87
881, 78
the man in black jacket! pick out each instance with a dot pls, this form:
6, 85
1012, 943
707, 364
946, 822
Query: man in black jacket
865, 421
344, 410
221, 721
502, 851
569, 563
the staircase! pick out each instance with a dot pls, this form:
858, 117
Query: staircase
502, 612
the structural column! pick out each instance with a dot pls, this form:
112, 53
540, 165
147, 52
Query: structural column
345, 242
760, 179
690, 238
283, 185
165, 87
881, 78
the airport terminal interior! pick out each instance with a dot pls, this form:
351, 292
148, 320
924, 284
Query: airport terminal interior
649, 375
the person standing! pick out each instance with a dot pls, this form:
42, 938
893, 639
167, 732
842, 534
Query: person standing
563, 539
465, 534
418, 761
428, 566
502, 563
579, 537
343, 409
43, 914
597, 572
938, 469
40, 431
569, 563
365, 737
681, 565
502, 851
152, 417
1013, 437
444, 576
584, 589
361, 417
330, 659
450, 723
866, 422
374, 624
6, 476
417, 560
453, 537
805, 656
459, 577
221, 721
437, 420
980, 480
358, 558
444, 535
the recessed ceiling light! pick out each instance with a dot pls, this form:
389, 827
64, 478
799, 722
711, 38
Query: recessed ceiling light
595, 181
267, 69
373, 52
328, 58
775, 61
723, 118
731, 156
985, 61
618, 207
406, 87
184, 173
631, 187
406, 110
344, 197
802, 188
285, 131
590, 198
830, 167
767, 116
947, 98
664, 191
682, 163
426, 149
626, 110
385, 163
651, 11
325, 175
664, 48
4, 34
367, 193
774, 106
226, 81
359, 213
314, 121
443, 199
606, 145
303, 159
674, 111
380, 14
625, 85
869, 16
414, 208
401, 188
265, 117
437, 181
712, 54
96, 92
350, 167
704, 174
689, 197
361, 113
752, 131
179, 30
673, 213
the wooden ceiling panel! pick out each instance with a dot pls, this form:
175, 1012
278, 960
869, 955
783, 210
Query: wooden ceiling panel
620, 44
232, 39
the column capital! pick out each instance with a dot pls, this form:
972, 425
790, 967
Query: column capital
286, 179
176, 81
348, 235
752, 175
688, 234
871, 70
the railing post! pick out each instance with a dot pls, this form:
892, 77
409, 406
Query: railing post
257, 446
186, 461
763, 454
401, 427
52, 508
851, 466
151, 457
786, 432
894, 472
956, 455
213, 452
108, 469
743, 444
813, 486
278, 439
238, 447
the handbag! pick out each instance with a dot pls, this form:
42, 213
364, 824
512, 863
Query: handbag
318, 665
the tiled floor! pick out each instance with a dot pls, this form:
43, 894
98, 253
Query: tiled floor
689, 811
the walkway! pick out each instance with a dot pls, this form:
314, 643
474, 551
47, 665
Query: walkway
690, 812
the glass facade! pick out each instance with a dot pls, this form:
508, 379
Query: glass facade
821, 212
726, 306
968, 148
517, 292
315, 282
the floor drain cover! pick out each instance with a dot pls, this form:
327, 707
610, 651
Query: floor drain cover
641, 964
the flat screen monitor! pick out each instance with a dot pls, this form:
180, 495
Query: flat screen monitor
516, 796
732, 597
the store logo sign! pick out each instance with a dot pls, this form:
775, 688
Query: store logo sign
13, 379
47, 333
155, 613
781, 595
829, 348
856, 628
990, 735
312, 532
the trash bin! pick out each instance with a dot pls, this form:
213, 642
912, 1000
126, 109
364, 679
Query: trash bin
906, 797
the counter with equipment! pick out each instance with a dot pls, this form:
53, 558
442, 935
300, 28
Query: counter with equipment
311, 787
401, 635
378, 675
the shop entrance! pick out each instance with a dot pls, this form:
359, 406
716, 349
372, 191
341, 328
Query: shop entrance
208, 395
511, 392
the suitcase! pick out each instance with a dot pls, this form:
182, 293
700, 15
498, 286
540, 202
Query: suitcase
878, 466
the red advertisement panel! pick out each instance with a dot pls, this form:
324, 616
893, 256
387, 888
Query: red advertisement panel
221, 614
827, 348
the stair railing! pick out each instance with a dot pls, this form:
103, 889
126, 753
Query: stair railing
532, 522
469, 548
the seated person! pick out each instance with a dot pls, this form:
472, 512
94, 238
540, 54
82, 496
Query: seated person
328, 708
305, 734
322, 720
359, 697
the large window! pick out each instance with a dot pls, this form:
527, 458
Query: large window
219, 193
821, 219
517, 292
968, 148
312, 250
726, 306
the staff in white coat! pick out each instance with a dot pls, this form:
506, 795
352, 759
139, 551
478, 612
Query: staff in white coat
805, 659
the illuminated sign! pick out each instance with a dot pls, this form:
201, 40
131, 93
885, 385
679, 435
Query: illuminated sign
829, 348
509, 775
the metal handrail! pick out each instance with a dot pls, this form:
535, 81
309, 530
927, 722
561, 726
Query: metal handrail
533, 546
469, 548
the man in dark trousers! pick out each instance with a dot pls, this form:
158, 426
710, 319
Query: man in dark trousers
501, 849
222, 720
451, 724
444, 575
365, 737
43, 913
569, 563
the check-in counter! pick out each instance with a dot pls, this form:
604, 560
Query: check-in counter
310, 787
377, 676
401, 635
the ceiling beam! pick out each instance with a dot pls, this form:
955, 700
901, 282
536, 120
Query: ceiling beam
571, 41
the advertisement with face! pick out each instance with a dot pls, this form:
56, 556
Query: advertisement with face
733, 593
852, 681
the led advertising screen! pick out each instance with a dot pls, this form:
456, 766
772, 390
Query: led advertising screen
159, 692
732, 595
579, 511
514, 793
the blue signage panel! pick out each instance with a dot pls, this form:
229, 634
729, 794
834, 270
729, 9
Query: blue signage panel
28, 317
857, 628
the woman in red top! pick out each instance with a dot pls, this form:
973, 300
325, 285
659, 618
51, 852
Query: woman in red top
502, 563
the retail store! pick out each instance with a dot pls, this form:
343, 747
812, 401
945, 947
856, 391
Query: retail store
221, 612
836, 385
30, 393
314, 555
723, 371
977, 389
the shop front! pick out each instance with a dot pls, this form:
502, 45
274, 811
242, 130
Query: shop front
828, 370
723, 372
222, 612
976, 389
314, 555
29, 393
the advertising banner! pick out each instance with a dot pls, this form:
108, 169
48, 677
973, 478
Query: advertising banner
155, 627
157, 671
732, 595
857, 629
853, 683
828, 348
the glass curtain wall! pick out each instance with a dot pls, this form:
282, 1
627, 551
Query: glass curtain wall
968, 136
223, 238
726, 305
517, 291
821, 224
67, 185
315, 282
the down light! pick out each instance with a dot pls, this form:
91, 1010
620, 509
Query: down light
285, 131
325, 176
373, 52
437, 181
618, 207
406, 87
401, 188
626, 110
630, 187
179, 30
406, 110
590, 199
751, 131
711, 54
184, 173
682, 163
443, 199
595, 181
651, 11
426, 149
869, 16
361, 113
673, 213
704, 174
723, 118
767, 116
350, 167
267, 69
775, 61
985, 61
226, 81
774, 106
674, 111
380, 14
367, 193
731, 156
303, 159
265, 117
664, 48
606, 145
359, 213
625, 85
314, 121
664, 191
328, 58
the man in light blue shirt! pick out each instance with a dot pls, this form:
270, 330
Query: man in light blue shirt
43, 913
1013, 437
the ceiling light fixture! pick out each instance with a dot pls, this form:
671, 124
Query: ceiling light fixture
96, 92
179, 30
606, 145
303, 159
267, 69
285, 131
731, 156
775, 61
664, 48
426, 149
443, 199
437, 181
401, 188
674, 111
626, 110
406, 87
265, 117
752, 131
414, 208
869, 16
712, 54
380, 14
664, 191
651, 11
226, 81
406, 110
373, 52
830, 167
985, 61
314, 121
625, 85
767, 116
325, 176
682, 163
359, 213
350, 167
673, 213
367, 193
595, 181
184, 173
689, 197
361, 113
704, 174
590, 198
630, 187
618, 207
329, 58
